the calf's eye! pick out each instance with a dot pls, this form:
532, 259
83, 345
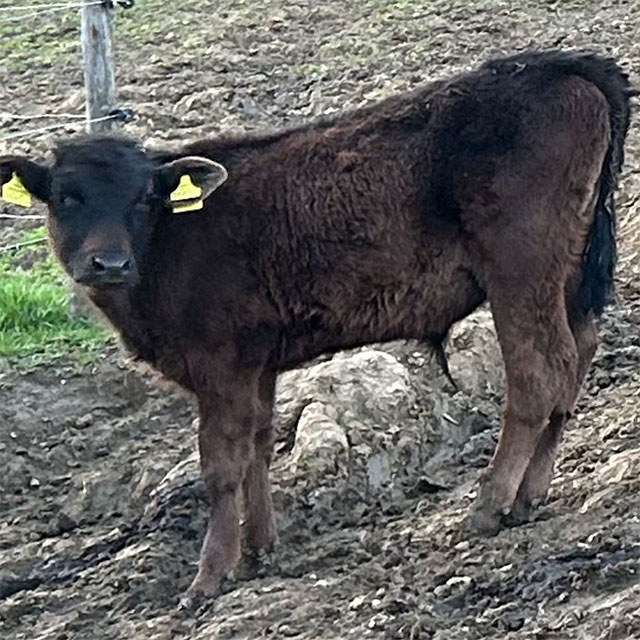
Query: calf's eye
67, 200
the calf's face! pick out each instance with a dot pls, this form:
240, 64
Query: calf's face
104, 197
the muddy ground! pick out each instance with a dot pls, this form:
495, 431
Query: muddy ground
101, 509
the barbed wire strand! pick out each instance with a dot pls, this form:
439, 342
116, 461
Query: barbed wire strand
51, 10
52, 127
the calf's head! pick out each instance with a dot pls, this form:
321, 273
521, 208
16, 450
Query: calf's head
105, 195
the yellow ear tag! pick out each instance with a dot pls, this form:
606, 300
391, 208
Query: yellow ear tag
15, 192
189, 192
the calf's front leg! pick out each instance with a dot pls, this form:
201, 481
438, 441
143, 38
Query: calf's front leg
226, 441
260, 528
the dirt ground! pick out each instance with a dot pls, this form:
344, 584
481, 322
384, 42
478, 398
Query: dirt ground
101, 512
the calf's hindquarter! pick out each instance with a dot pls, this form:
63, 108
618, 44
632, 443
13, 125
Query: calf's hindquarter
530, 219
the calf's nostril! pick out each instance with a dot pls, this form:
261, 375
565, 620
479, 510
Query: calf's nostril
126, 266
98, 265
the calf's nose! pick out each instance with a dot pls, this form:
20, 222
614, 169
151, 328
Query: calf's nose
111, 263
111, 268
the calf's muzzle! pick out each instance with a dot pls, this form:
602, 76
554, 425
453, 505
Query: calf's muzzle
107, 268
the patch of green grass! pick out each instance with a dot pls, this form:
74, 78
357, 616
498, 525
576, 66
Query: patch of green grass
35, 327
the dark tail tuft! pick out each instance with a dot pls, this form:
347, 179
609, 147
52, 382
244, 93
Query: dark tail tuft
600, 256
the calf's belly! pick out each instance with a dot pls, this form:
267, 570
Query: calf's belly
424, 307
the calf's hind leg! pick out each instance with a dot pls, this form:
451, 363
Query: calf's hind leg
537, 479
541, 366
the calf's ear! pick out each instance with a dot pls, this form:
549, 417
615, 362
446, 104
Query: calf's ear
20, 176
197, 177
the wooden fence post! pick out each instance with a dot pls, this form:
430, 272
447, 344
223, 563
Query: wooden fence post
100, 87
99, 73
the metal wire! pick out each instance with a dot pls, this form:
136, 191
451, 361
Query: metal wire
62, 125
19, 245
49, 5
9, 216
62, 7
15, 116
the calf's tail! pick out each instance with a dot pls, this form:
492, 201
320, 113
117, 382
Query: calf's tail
599, 257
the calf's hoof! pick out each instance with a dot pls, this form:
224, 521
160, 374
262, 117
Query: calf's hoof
481, 522
259, 540
190, 602
522, 512
204, 587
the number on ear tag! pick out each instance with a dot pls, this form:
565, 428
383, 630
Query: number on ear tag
15, 192
189, 192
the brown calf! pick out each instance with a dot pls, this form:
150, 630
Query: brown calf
390, 222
